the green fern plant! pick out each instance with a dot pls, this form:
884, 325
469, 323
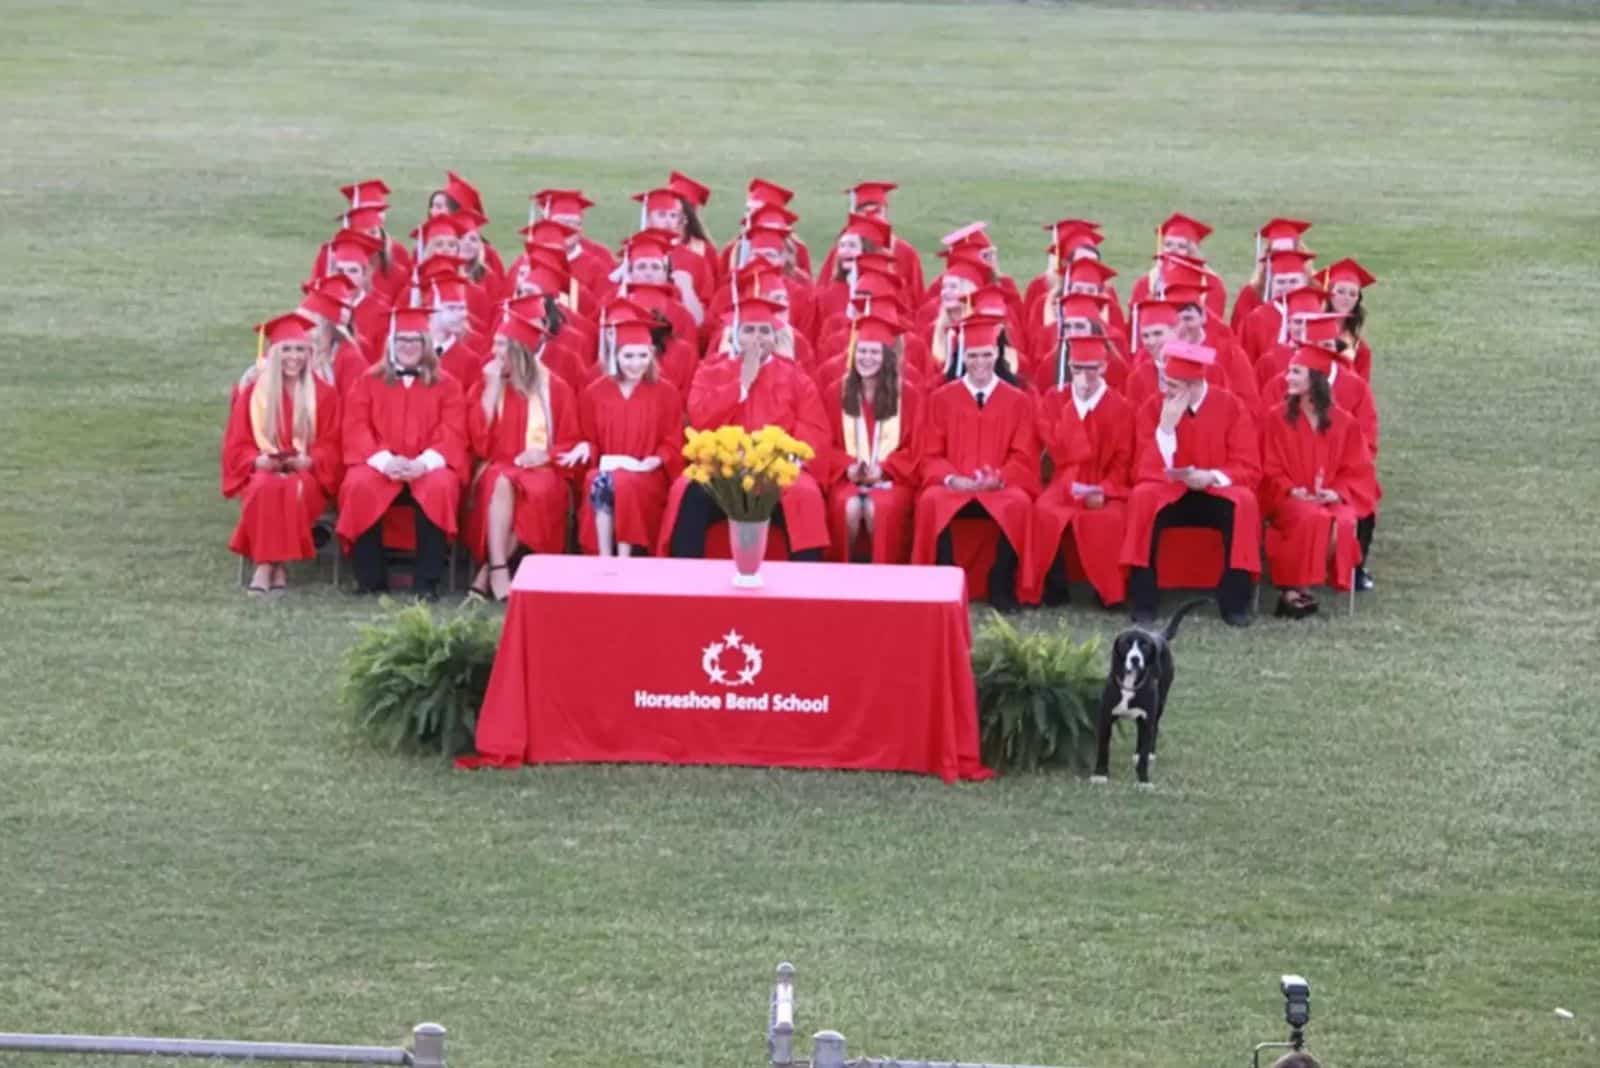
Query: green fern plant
1036, 696
414, 682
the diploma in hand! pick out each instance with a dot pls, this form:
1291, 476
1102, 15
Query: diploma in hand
1178, 474
1083, 489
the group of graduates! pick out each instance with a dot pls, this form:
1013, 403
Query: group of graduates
1039, 430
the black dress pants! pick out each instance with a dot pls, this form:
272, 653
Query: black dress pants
1193, 509
367, 560
1002, 576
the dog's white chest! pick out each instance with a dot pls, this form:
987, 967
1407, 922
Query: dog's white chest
1123, 709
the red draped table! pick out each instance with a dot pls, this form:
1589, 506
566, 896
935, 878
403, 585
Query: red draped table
664, 662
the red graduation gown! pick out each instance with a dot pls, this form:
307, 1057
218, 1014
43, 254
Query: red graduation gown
1216, 296
782, 395
1351, 393
892, 506
463, 361
407, 421
543, 494
1260, 331
1220, 436
649, 423
1247, 301
958, 438
1298, 531
276, 510
1097, 449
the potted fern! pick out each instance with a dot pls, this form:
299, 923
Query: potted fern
1036, 696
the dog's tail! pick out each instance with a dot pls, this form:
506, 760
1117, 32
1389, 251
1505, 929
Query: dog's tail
1171, 631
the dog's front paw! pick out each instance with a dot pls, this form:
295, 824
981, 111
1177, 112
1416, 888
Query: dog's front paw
1098, 780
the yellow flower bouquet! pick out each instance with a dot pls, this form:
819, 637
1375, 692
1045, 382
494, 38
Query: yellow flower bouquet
744, 472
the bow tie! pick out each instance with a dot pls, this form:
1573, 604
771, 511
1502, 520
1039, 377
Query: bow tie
406, 372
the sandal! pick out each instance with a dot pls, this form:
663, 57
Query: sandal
257, 591
490, 577
1295, 605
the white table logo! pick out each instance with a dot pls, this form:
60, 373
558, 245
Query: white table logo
712, 656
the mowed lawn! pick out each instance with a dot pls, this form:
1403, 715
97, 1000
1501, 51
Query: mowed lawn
1402, 805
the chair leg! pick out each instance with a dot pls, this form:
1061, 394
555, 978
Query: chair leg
244, 571
1352, 611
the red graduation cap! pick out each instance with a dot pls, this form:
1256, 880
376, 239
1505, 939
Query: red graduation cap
969, 236
988, 300
1182, 271
447, 290
1279, 230
1179, 225
766, 237
530, 307
410, 320
561, 202
980, 331
291, 327
1306, 300
1089, 348
1156, 313
874, 193
883, 305
547, 233
1062, 226
969, 267
334, 286
438, 226
869, 228
525, 332
882, 261
463, 192
758, 311
543, 279
662, 199
877, 327
652, 296
648, 245
366, 217
468, 221
1089, 272
621, 309
324, 301
694, 192
875, 283
436, 267
1290, 261
764, 192
773, 216
1322, 327
368, 193
1347, 270
1187, 361
353, 246
1312, 357
1089, 306
1068, 242
631, 332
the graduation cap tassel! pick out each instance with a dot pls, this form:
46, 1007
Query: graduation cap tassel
261, 344
850, 349
961, 350
1061, 358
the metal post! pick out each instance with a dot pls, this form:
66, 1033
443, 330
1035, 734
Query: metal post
780, 1027
827, 1050
427, 1046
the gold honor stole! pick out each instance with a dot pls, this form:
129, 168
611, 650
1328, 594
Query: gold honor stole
871, 447
267, 437
537, 433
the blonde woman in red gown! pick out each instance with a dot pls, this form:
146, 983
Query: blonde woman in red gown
874, 437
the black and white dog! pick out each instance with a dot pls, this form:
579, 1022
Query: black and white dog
1137, 687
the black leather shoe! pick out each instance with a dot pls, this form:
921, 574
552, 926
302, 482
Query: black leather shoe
1363, 579
1236, 619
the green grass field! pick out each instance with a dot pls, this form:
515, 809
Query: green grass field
1403, 805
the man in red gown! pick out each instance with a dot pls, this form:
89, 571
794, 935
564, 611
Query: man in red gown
1197, 463
1087, 428
754, 389
1289, 269
1277, 235
980, 459
405, 436
1181, 235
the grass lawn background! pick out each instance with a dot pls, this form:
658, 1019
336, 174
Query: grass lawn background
1402, 806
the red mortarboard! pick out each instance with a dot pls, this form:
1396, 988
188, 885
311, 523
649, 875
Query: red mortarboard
767, 237
1323, 327
988, 300
1290, 261
410, 320
661, 199
437, 267
625, 310
775, 216
1181, 271
353, 245
652, 296
877, 328
876, 284
443, 291
756, 310
971, 268
525, 332
322, 301
883, 305
1063, 226
971, 235
1347, 270
547, 233
689, 189
1305, 301
981, 331
1156, 313
648, 245
561, 202
769, 192
542, 279
463, 192
369, 193
1089, 271
1180, 225
468, 220
363, 218
1069, 241
291, 327
530, 307
1088, 349
870, 193
869, 228
1083, 306
631, 332
1282, 230
1311, 357
438, 226
882, 262
1187, 361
